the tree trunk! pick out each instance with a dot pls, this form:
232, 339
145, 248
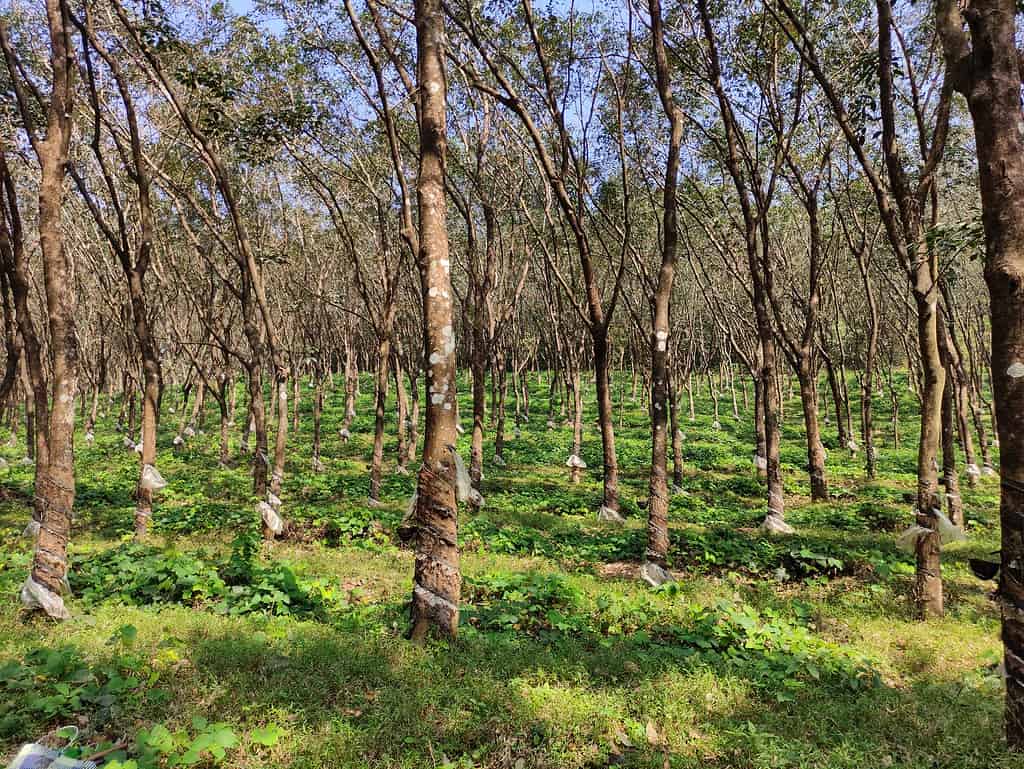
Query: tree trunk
132, 411
498, 413
928, 587
55, 480
281, 436
380, 403
257, 413
689, 397
318, 408
760, 436
577, 425
224, 423
437, 579
837, 401
776, 499
677, 437
992, 86
815, 449
605, 417
351, 381
662, 400
414, 416
402, 415
954, 505
478, 364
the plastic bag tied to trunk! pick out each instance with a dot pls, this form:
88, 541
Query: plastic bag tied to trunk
151, 478
270, 518
36, 596
462, 482
947, 530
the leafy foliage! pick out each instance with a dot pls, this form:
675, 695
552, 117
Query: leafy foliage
159, 747
141, 575
724, 549
527, 603
778, 655
51, 684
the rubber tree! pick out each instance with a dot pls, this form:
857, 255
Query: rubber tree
657, 514
903, 197
982, 60
55, 469
133, 252
437, 581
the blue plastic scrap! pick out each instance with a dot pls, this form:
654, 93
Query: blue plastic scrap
35, 756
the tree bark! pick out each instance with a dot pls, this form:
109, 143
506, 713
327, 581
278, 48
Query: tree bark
988, 71
436, 578
380, 392
55, 477
815, 449
657, 513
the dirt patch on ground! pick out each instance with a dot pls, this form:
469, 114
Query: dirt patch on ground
619, 570
12, 494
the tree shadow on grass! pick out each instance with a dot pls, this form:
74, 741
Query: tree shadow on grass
368, 698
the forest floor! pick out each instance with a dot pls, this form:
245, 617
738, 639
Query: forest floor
208, 648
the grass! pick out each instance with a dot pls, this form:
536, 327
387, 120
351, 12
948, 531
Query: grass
791, 652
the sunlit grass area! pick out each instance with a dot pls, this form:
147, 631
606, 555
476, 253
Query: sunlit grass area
797, 651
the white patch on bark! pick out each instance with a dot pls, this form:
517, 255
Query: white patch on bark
1015, 370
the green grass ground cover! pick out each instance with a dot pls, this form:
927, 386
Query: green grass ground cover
206, 648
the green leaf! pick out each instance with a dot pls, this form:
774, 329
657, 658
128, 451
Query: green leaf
267, 736
126, 634
223, 737
159, 738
